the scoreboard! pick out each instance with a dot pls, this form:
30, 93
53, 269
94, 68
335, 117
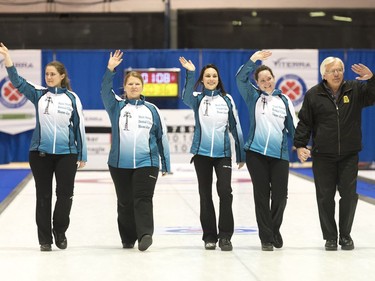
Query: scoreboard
159, 82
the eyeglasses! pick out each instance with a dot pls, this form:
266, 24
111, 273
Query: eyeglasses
338, 70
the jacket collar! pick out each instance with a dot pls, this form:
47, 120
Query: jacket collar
328, 89
140, 101
276, 92
57, 90
211, 93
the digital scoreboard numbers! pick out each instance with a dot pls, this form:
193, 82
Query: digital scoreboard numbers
159, 82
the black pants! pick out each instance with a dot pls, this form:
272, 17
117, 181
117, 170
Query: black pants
223, 168
270, 182
134, 190
333, 173
43, 168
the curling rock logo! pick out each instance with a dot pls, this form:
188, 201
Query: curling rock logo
10, 97
293, 86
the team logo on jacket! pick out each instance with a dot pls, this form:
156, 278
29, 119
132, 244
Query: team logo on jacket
49, 101
207, 104
127, 115
293, 86
9, 96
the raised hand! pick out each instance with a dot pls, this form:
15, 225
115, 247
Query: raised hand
363, 71
187, 64
5, 52
260, 55
115, 59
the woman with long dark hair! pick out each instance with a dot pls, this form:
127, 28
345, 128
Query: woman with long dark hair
215, 116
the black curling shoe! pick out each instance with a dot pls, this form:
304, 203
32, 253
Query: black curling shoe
267, 246
60, 240
210, 245
225, 244
128, 245
346, 242
45, 248
145, 242
331, 245
278, 241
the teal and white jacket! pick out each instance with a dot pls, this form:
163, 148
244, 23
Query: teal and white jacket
139, 133
272, 117
215, 116
59, 120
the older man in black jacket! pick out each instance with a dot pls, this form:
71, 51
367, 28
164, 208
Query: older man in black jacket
331, 114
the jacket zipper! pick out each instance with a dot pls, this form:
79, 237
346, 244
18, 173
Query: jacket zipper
212, 134
135, 139
338, 128
54, 130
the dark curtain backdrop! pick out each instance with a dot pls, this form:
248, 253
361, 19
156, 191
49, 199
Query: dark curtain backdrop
86, 69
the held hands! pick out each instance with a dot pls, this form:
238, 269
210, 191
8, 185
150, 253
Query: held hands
80, 164
363, 71
260, 55
115, 60
187, 64
303, 154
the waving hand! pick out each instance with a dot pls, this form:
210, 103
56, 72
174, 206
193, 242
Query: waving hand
115, 59
187, 64
363, 71
5, 52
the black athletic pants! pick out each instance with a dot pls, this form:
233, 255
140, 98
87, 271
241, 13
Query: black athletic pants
223, 168
43, 167
333, 173
270, 182
134, 190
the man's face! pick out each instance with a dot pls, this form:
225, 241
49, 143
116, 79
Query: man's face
334, 75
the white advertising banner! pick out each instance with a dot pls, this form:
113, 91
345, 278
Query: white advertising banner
98, 136
295, 71
180, 126
17, 114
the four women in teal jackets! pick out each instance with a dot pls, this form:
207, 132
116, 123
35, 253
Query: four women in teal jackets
215, 116
139, 143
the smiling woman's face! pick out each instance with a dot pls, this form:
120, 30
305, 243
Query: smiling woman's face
266, 81
210, 79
